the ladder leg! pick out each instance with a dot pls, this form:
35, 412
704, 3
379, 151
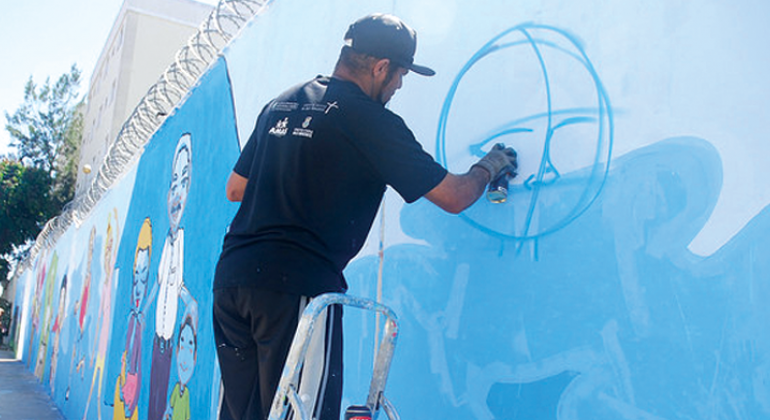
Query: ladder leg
287, 396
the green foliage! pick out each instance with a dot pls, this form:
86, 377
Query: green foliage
46, 131
39, 126
26, 203
5, 314
69, 158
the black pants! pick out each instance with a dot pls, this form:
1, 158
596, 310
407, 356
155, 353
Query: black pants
253, 330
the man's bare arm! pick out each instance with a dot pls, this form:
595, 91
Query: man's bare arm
456, 193
236, 185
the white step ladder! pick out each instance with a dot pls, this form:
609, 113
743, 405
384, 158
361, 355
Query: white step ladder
287, 395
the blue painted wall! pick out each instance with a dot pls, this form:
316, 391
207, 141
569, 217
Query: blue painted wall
110, 361
623, 279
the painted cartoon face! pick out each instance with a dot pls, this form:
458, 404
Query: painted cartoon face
141, 274
63, 300
186, 353
91, 239
180, 185
108, 253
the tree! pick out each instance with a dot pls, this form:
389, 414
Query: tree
5, 317
25, 205
42, 129
46, 131
69, 158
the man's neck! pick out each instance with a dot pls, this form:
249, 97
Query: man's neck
364, 83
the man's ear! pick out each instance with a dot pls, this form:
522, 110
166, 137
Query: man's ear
381, 67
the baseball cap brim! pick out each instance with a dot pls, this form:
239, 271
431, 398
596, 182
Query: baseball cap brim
422, 70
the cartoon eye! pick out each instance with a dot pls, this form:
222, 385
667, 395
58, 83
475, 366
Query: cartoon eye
476, 148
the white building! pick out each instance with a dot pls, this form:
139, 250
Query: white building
141, 45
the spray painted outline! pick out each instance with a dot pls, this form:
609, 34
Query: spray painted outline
604, 111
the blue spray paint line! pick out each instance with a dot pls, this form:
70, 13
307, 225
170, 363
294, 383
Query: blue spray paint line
547, 175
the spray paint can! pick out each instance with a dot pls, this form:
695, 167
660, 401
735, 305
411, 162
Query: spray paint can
497, 192
358, 412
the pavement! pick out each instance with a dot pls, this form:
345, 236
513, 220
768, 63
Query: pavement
22, 396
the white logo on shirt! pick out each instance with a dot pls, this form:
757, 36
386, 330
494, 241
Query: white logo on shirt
330, 105
304, 131
281, 128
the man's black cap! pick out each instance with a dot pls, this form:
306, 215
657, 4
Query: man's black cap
386, 36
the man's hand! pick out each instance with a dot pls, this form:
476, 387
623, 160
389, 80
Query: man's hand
500, 160
456, 192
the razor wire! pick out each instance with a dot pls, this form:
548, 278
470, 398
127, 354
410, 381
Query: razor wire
190, 62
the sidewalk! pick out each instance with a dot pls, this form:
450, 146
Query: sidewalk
22, 397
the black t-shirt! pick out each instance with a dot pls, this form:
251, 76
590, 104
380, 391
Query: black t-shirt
317, 165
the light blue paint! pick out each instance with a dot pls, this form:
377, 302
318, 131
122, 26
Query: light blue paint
555, 327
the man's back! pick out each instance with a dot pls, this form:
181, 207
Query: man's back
318, 163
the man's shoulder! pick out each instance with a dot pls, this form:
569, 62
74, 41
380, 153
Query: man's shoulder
291, 98
315, 84
335, 97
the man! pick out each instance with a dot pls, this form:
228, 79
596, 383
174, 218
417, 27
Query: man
310, 181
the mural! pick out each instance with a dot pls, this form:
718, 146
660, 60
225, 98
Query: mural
622, 279
56, 329
170, 280
174, 234
44, 314
128, 384
80, 310
104, 314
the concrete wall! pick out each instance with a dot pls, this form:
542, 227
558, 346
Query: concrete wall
623, 279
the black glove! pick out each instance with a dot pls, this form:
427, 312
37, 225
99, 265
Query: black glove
499, 161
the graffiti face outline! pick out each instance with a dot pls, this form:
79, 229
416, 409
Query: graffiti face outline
544, 200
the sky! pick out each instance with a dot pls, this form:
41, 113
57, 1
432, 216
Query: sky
42, 39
